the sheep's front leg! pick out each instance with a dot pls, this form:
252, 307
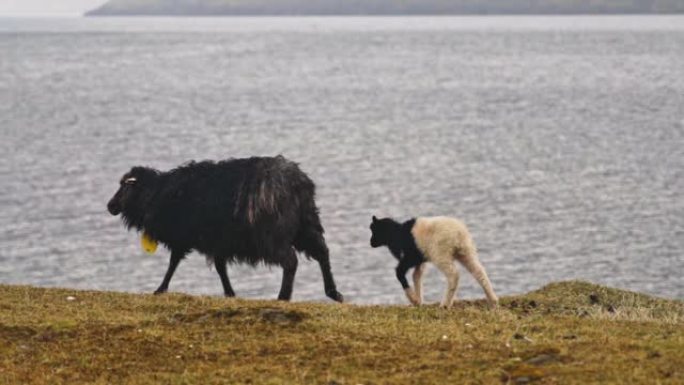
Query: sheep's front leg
401, 276
418, 281
173, 264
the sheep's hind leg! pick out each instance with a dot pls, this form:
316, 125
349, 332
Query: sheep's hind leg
173, 264
313, 244
310, 240
220, 264
449, 269
289, 264
328, 280
475, 268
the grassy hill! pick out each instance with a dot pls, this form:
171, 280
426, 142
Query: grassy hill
564, 333
384, 7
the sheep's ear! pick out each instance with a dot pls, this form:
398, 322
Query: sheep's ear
374, 219
130, 180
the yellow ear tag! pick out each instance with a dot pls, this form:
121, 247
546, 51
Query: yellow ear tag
148, 244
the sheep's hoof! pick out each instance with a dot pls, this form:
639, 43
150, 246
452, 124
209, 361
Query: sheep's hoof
159, 291
335, 296
445, 306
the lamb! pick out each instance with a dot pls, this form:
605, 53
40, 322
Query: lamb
252, 210
439, 240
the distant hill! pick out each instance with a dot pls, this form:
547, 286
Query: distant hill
384, 7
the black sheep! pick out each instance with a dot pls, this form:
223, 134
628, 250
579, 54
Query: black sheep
251, 210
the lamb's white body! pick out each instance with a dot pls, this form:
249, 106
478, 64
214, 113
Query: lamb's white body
443, 240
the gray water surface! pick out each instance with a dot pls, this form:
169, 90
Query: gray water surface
558, 140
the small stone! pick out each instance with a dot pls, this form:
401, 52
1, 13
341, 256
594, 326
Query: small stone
542, 359
71, 298
593, 298
519, 336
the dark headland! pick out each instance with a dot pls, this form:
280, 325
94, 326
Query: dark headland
383, 7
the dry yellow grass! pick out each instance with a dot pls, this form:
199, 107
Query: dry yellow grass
564, 333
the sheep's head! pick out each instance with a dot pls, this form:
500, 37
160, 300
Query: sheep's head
381, 231
133, 193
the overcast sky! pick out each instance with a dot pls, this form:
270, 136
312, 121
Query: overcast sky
46, 7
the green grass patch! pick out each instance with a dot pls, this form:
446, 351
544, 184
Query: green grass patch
563, 333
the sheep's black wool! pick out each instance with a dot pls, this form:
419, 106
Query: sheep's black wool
252, 210
398, 238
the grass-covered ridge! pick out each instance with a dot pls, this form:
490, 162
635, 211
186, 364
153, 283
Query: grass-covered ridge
564, 333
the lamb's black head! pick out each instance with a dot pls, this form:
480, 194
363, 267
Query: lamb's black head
134, 189
381, 230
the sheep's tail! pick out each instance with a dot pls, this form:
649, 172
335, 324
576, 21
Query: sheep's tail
473, 265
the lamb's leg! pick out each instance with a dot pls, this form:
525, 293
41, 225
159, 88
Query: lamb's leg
401, 271
447, 267
220, 264
418, 281
289, 264
173, 264
473, 265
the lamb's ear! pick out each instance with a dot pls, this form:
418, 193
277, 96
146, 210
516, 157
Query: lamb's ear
374, 219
